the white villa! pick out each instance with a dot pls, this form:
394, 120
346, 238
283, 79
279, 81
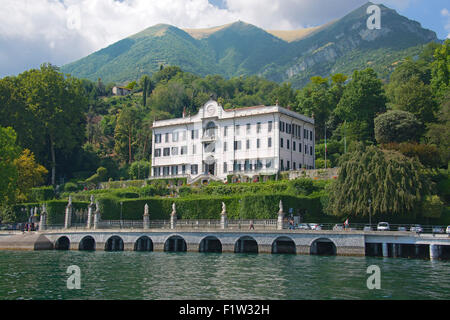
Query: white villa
216, 143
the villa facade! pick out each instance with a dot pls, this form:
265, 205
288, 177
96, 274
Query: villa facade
246, 141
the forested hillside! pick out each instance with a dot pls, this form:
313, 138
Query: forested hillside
242, 49
391, 139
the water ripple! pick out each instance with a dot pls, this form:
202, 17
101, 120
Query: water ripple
157, 275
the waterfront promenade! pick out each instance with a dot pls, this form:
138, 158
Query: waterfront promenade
321, 242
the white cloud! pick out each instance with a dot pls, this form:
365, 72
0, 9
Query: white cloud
446, 14
61, 31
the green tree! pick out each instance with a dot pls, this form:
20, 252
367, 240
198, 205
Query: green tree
438, 134
363, 98
9, 152
58, 104
145, 82
428, 155
441, 70
29, 174
414, 96
139, 170
131, 85
316, 100
382, 181
396, 126
125, 133
284, 94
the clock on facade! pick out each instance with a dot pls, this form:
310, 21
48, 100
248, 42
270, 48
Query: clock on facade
210, 110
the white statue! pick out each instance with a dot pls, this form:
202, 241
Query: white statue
146, 209
281, 207
174, 209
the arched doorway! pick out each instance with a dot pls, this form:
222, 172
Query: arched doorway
283, 245
114, 243
175, 244
246, 244
210, 244
87, 244
144, 243
63, 243
323, 247
210, 129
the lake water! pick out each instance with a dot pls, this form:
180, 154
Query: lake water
226, 276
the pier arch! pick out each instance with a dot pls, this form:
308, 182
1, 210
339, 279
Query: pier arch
175, 244
283, 245
87, 244
323, 247
246, 244
63, 243
210, 244
114, 243
144, 243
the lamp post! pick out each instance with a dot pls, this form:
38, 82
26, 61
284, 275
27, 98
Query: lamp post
121, 206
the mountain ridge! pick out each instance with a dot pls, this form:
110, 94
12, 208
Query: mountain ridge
242, 49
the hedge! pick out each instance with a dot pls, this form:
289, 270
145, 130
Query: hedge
262, 206
56, 210
42, 194
19, 215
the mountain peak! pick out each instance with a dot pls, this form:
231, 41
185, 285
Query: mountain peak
158, 30
240, 48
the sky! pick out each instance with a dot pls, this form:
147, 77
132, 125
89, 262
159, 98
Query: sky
62, 31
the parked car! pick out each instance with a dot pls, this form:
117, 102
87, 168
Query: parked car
303, 226
416, 228
401, 228
338, 227
315, 226
368, 227
447, 230
438, 229
383, 226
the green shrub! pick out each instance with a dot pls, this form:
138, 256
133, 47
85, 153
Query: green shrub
320, 163
70, 187
262, 206
42, 194
56, 210
139, 170
19, 212
302, 186
98, 177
